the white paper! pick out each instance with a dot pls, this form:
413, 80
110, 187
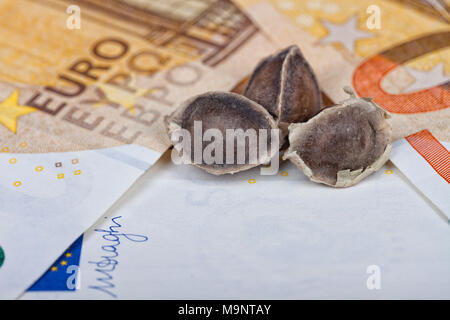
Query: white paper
48, 200
281, 237
422, 175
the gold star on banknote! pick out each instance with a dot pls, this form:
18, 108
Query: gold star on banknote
122, 97
10, 111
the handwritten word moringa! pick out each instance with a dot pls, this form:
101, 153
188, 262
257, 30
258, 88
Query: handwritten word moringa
108, 263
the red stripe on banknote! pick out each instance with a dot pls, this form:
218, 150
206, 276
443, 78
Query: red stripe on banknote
368, 76
432, 151
367, 83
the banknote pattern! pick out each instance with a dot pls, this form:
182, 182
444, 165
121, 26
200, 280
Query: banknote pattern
63, 270
81, 110
250, 242
112, 81
432, 151
403, 63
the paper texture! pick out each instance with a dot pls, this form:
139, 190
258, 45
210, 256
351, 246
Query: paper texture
193, 236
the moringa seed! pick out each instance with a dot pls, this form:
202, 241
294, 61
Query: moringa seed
222, 111
343, 144
286, 86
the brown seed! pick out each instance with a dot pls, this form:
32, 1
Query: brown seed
222, 111
286, 86
343, 144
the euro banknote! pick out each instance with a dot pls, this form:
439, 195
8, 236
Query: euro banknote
396, 52
248, 236
85, 85
84, 88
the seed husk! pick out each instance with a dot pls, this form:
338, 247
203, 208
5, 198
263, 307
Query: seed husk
285, 84
343, 144
222, 111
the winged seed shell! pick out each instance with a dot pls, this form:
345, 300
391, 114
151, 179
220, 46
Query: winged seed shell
343, 144
222, 111
286, 86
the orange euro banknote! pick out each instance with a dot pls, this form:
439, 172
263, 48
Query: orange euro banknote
397, 52
84, 88
110, 79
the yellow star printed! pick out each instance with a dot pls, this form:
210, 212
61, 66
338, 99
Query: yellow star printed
10, 111
122, 97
